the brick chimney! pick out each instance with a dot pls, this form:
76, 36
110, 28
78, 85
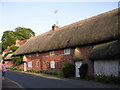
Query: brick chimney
54, 27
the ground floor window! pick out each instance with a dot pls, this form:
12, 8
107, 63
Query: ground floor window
37, 63
30, 64
52, 64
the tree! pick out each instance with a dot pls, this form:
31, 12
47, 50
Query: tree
14, 48
20, 33
26, 33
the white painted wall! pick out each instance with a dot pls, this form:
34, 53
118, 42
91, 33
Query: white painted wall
106, 67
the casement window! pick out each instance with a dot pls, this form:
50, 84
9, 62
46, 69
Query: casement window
67, 51
52, 53
30, 64
37, 63
52, 64
37, 54
29, 56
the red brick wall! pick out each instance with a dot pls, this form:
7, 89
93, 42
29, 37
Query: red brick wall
85, 52
44, 59
8, 64
60, 59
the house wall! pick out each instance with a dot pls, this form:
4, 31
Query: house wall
9, 64
43, 60
85, 51
107, 67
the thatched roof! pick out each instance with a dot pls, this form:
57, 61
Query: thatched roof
106, 51
103, 27
9, 57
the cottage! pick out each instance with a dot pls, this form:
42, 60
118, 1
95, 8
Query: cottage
8, 60
106, 58
70, 44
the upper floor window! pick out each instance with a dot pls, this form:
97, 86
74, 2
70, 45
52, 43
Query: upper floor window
52, 53
37, 54
67, 51
29, 55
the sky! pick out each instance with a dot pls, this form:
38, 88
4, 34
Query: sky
39, 16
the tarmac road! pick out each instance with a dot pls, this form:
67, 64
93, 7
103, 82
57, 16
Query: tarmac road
27, 80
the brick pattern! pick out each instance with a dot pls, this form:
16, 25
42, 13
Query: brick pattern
86, 52
42, 62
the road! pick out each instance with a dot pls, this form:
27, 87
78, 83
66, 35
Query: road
44, 81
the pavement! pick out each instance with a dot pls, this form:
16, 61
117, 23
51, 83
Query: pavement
7, 83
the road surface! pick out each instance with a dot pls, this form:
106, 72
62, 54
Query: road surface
44, 81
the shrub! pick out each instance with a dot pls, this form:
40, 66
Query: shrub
53, 72
17, 60
108, 79
68, 70
83, 71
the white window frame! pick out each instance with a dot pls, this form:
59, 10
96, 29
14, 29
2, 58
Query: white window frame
29, 55
67, 51
52, 64
37, 54
29, 64
52, 53
37, 63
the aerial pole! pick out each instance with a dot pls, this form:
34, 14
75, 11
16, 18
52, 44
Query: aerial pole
56, 18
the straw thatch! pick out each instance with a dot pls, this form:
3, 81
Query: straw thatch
106, 51
103, 27
9, 57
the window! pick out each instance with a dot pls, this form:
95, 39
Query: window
37, 54
66, 51
52, 64
30, 64
37, 63
51, 53
29, 56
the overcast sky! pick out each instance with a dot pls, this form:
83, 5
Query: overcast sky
40, 16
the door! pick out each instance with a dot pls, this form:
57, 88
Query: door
25, 67
77, 66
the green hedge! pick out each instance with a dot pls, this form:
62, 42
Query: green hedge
68, 70
17, 69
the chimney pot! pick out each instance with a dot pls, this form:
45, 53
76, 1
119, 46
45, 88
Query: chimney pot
54, 27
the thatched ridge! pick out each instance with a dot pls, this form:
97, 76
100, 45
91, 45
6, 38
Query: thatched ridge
103, 27
106, 51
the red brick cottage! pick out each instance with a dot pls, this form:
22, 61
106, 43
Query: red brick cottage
8, 60
70, 44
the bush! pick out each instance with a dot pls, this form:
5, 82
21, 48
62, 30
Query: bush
68, 70
108, 79
83, 71
53, 72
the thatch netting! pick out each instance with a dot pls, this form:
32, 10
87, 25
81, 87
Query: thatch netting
103, 27
106, 51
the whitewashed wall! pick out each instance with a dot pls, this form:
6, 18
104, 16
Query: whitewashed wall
106, 67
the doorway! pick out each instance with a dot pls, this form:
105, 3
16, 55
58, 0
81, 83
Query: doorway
77, 66
25, 67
